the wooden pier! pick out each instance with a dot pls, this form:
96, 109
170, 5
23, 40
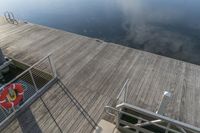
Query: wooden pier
95, 71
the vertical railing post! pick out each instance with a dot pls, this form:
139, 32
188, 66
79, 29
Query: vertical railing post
53, 69
34, 84
163, 104
118, 118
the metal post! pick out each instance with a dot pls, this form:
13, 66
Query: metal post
165, 100
34, 84
118, 119
53, 69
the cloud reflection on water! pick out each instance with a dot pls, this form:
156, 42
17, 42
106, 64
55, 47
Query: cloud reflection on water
169, 28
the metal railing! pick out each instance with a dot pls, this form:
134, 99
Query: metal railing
10, 18
35, 80
144, 119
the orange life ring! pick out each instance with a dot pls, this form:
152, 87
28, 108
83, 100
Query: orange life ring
18, 88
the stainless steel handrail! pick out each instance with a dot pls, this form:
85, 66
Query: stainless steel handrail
139, 118
10, 18
179, 125
157, 116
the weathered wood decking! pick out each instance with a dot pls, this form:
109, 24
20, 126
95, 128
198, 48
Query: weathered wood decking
95, 71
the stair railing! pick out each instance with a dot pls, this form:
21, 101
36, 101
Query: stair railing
170, 125
10, 18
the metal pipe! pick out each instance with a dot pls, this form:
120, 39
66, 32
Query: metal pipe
53, 69
158, 116
34, 84
192, 129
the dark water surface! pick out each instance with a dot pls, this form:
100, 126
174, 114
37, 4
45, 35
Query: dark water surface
166, 27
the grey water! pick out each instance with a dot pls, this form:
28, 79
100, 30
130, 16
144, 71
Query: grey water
165, 27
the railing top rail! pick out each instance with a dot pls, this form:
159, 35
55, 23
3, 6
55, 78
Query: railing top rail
28, 69
157, 116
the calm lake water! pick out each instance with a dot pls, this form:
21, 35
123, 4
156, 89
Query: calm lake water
166, 27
